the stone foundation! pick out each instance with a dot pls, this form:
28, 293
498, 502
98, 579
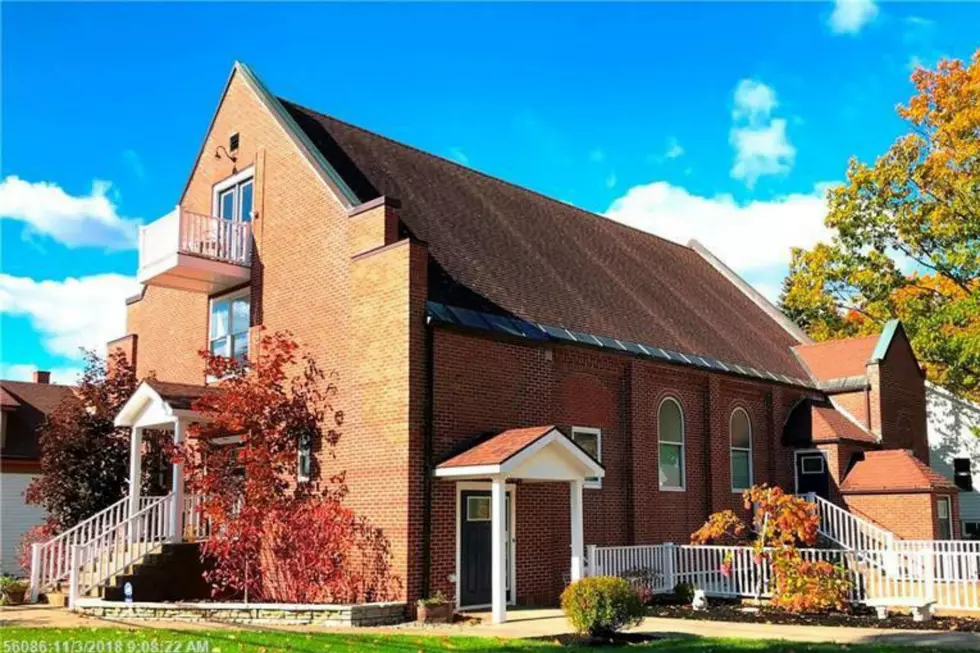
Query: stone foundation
365, 614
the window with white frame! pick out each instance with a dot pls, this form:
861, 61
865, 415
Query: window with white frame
963, 474
945, 518
740, 432
233, 197
229, 324
304, 461
590, 439
670, 431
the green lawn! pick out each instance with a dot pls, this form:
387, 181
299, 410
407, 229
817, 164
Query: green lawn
113, 640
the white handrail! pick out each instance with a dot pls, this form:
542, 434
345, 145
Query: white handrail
116, 549
51, 560
849, 530
216, 238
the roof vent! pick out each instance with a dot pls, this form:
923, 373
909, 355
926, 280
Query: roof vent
233, 142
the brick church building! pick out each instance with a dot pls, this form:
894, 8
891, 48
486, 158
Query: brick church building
521, 378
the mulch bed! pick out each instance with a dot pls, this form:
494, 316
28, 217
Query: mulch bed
722, 610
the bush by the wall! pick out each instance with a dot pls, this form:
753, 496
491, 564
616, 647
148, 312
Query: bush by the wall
601, 605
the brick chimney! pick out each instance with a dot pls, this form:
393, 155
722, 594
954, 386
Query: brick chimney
42, 376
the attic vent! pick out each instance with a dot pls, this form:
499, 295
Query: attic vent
233, 142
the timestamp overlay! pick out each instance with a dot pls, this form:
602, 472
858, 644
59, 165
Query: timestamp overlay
120, 644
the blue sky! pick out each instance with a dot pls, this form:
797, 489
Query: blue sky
723, 122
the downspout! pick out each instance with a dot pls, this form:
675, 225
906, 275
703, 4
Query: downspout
867, 406
427, 465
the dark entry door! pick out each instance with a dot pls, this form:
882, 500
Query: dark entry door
811, 474
475, 561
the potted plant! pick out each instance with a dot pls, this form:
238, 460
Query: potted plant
12, 590
57, 597
436, 609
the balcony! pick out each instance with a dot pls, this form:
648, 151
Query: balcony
191, 251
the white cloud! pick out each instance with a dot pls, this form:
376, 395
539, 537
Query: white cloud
849, 16
674, 149
753, 100
757, 235
761, 145
135, 163
85, 312
611, 180
74, 220
25, 372
459, 155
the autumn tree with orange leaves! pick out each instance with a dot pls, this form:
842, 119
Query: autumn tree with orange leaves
906, 236
781, 524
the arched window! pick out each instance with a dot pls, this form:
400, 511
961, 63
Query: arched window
740, 430
670, 421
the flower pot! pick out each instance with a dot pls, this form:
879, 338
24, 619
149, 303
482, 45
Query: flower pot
57, 599
14, 595
439, 613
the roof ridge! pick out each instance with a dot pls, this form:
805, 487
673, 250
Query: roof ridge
586, 212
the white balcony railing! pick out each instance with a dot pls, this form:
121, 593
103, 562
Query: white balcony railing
184, 232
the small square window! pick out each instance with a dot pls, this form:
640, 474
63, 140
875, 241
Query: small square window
963, 474
233, 142
477, 508
812, 464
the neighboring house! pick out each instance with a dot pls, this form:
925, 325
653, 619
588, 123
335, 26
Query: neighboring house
24, 406
954, 450
502, 354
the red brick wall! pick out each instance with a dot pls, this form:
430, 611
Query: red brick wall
484, 385
902, 514
898, 390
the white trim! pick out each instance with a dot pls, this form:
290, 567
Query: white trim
732, 449
683, 445
485, 487
589, 430
796, 467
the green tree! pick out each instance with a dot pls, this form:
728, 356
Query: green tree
906, 236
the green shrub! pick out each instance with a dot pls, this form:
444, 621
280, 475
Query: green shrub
684, 592
601, 605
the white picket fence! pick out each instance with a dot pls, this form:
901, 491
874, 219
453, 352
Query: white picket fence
946, 573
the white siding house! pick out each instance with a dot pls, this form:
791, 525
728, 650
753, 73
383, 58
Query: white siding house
954, 450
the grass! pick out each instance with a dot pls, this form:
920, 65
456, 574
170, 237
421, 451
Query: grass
146, 640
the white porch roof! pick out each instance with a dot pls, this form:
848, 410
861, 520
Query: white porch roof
158, 405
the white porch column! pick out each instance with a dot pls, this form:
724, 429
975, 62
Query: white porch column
578, 537
498, 594
177, 487
135, 468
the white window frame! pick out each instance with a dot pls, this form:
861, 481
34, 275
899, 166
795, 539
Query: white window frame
231, 297
948, 519
732, 449
233, 183
683, 445
591, 483
823, 464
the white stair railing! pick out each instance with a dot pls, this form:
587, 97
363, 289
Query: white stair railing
847, 529
116, 549
51, 560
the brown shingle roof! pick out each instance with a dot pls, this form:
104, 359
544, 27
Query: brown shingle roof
893, 470
499, 448
544, 260
830, 425
834, 359
179, 395
26, 406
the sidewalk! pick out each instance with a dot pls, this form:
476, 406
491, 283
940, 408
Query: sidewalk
537, 623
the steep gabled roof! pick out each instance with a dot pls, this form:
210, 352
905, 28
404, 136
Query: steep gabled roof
893, 470
26, 405
540, 259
